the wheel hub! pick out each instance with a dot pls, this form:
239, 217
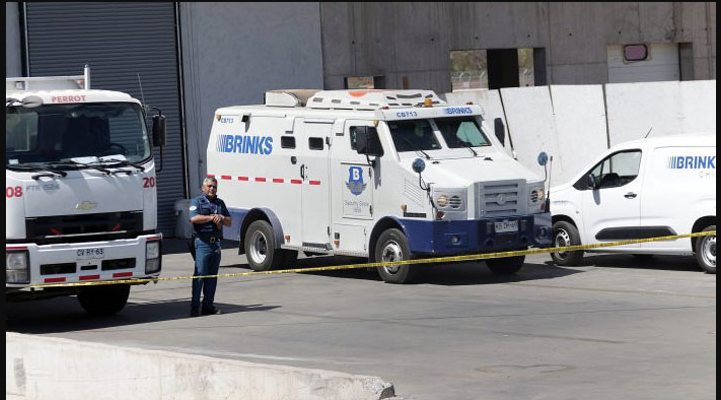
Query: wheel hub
709, 250
562, 239
392, 252
258, 247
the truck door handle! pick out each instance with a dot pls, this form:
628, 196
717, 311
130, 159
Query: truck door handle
630, 195
302, 171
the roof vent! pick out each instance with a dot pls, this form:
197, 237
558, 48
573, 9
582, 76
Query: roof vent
289, 97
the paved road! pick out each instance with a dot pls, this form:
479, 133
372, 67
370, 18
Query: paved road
614, 328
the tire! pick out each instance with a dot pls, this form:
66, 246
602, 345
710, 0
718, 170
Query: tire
505, 266
261, 250
104, 300
706, 251
565, 234
392, 245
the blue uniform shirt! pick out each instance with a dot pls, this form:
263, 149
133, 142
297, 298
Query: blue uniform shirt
202, 205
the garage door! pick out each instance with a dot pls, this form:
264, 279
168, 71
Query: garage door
118, 41
643, 63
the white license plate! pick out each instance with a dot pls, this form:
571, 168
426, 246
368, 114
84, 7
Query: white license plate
506, 226
90, 254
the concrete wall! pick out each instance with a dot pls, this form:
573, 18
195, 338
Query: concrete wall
576, 123
13, 51
414, 40
40, 368
234, 52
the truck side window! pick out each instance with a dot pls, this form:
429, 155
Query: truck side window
315, 143
616, 170
353, 138
287, 142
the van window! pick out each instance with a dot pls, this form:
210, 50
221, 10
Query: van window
413, 135
287, 142
616, 170
461, 132
315, 143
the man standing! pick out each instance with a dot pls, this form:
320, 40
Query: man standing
207, 214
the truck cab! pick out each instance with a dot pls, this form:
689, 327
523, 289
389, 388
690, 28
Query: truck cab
80, 203
388, 175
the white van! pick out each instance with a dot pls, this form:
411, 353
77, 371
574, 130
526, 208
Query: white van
388, 175
641, 189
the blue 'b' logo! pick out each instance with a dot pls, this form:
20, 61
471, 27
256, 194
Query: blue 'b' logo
355, 181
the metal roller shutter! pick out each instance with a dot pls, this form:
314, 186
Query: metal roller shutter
118, 41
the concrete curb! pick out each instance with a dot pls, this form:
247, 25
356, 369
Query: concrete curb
52, 368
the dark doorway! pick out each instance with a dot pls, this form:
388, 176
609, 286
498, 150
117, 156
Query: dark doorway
503, 68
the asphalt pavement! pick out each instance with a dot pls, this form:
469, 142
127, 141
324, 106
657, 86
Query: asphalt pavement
616, 327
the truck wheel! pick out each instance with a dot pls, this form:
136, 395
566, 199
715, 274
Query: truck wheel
392, 245
104, 300
565, 234
505, 266
706, 251
260, 248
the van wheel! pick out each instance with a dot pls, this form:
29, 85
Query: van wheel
104, 300
260, 248
565, 234
505, 266
392, 245
706, 251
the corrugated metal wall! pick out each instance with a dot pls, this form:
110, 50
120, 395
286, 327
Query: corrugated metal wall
118, 41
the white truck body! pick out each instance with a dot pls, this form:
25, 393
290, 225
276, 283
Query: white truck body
649, 187
81, 201
295, 165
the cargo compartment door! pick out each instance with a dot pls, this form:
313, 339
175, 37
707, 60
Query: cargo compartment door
315, 192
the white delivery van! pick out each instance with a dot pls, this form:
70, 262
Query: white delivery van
80, 191
388, 175
640, 189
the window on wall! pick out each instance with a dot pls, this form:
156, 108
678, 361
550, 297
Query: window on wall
365, 82
497, 68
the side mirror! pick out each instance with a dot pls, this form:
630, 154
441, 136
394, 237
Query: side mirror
367, 141
500, 130
159, 130
592, 182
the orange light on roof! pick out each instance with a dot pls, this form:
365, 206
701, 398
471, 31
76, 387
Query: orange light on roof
469, 103
428, 102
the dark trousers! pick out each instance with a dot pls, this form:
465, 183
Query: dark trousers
207, 262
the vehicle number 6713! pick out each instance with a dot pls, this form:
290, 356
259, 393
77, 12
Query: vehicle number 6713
16, 191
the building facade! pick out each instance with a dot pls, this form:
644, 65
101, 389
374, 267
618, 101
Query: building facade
189, 59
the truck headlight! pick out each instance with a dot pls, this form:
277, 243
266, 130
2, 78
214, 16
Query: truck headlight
442, 201
152, 250
537, 196
17, 267
152, 257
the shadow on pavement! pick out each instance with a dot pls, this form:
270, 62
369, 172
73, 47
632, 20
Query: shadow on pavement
64, 314
452, 274
627, 261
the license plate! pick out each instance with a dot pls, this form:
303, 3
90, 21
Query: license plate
90, 254
506, 226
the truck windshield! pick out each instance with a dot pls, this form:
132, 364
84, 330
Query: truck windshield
63, 132
462, 132
413, 135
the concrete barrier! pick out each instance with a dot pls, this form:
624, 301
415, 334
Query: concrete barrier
52, 368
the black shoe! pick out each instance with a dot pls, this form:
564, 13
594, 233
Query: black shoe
195, 311
210, 311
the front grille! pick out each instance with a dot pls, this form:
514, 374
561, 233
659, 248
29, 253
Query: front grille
125, 263
498, 199
84, 228
54, 269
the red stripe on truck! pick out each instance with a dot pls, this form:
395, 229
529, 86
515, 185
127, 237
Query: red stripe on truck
225, 177
122, 275
315, 183
278, 180
243, 178
260, 179
296, 181
54, 280
89, 277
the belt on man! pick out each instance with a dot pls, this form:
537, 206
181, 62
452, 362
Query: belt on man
209, 238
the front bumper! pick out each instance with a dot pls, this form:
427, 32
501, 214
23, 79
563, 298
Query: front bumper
61, 263
477, 236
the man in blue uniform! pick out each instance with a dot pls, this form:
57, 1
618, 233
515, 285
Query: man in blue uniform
208, 214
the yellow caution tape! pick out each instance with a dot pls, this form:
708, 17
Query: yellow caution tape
471, 257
